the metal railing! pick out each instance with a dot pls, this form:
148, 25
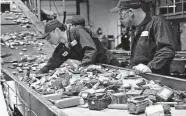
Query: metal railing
25, 107
32, 102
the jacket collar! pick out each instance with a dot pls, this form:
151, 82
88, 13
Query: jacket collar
141, 26
147, 19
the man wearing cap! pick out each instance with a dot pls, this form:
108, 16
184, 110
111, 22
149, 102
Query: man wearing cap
152, 43
75, 43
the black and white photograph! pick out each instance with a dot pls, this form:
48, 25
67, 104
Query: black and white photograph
93, 58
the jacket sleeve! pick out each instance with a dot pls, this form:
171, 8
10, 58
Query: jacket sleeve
88, 46
164, 41
55, 60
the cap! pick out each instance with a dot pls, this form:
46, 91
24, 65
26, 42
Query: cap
52, 25
76, 20
126, 4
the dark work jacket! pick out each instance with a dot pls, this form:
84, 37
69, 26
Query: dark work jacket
83, 47
125, 43
152, 45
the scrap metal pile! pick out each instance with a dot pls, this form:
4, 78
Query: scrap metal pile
18, 18
97, 87
21, 42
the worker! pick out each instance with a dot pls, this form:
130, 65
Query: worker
152, 43
75, 43
125, 42
104, 40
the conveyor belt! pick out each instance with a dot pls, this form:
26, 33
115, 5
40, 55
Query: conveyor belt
42, 107
38, 25
176, 83
37, 104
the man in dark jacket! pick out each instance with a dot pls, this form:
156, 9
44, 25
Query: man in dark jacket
152, 43
75, 43
125, 42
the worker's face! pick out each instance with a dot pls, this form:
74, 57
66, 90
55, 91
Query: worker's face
126, 17
52, 39
57, 36
63, 37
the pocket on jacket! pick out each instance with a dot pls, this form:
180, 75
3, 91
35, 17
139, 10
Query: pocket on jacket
143, 41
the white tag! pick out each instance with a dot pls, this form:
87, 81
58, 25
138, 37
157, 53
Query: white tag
73, 43
92, 102
144, 33
65, 53
84, 95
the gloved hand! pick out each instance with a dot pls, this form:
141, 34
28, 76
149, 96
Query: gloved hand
42, 71
74, 64
81, 68
39, 72
141, 68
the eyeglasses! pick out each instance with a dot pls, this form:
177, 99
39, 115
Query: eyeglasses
124, 14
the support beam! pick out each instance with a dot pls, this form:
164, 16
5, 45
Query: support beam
39, 9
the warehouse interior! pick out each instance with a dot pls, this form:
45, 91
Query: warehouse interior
100, 88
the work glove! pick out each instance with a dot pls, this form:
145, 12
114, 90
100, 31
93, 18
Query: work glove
74, 64
39, 72
42, 70
141, 68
